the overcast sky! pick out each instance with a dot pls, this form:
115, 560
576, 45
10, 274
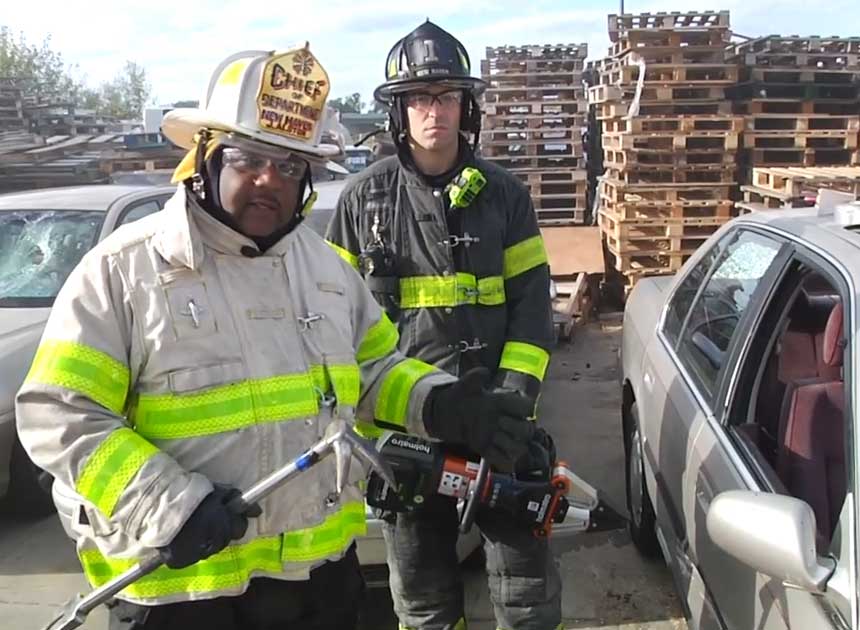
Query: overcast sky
179, 43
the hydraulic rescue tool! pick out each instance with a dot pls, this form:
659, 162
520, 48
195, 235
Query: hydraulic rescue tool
422, 468
340, 440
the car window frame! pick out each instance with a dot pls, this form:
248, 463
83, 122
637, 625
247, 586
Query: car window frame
809, 255
711, 403
159, 200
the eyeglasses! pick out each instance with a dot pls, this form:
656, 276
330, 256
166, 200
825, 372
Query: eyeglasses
423, 101
249, 162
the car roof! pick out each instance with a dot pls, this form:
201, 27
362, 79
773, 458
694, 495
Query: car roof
824, 229
97, 197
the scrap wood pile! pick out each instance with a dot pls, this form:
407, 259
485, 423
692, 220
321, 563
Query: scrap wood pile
669, 138
534, 112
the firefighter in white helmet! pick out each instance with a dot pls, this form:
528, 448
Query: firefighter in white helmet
196, 350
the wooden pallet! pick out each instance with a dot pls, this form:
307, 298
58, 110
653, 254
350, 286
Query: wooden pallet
540, 135
707, 174
801, 157
799, 181
801, 122
558, 202
534, 94
771, 74
756, 106
651, 229
560, 216
793, 91
801, 60
633, 22
674, 124
707, 107
821, 139
645, 211
644, 158
549, 80
532, 122
696, 140
646, 264
694, 75
539, 51
493, 67
531, 149
534, 162
813, 44
548, 108
706, 45
768, 199
617, 191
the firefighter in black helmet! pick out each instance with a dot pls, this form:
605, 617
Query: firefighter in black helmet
449, 245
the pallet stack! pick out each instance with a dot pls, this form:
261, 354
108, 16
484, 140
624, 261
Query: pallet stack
534, 113
792, 187
800, 97
12, 106
669, 143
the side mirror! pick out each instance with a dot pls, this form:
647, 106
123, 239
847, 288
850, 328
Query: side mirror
774, 534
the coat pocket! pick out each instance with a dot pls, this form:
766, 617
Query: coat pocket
190, 311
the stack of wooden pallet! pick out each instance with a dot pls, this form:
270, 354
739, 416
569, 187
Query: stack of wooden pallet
787, 187
12, 105
669, 140
801, 100
534, 112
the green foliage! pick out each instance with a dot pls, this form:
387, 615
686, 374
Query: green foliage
43, 73
348, 104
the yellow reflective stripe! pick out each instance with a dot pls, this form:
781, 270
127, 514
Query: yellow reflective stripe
111, 467
330, 537
380, 340
523, 256
345, 382
347, 255
442, 291
525, 358
235, 565
226, 408
82, 369
396, 387
491, 291
242, 404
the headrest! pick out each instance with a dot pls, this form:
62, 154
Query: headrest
834, 342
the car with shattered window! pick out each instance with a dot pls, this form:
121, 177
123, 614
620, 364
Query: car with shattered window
740, 388
43, 235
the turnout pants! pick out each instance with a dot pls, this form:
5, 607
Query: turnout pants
329, 600
426, 584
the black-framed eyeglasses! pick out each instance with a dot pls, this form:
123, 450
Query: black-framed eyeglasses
424, 100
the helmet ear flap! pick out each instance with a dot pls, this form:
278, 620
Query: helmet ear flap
470, 119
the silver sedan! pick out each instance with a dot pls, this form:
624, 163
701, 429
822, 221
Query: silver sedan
739, 383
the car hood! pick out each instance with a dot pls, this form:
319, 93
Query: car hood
20, 331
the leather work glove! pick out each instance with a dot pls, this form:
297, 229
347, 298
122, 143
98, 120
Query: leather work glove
208, 530
492, 424
540, 458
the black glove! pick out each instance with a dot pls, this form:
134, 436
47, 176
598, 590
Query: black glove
208, 530
492, 424
540, 458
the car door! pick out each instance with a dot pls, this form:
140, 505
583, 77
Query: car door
704, 317
744, 597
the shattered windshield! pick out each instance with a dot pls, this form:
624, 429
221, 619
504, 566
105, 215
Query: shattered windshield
38, 250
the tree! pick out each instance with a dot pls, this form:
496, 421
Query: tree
377, 108
348, 104
187, 104
41, 72
39, 69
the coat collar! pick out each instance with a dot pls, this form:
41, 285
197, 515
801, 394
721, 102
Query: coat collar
188, 231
